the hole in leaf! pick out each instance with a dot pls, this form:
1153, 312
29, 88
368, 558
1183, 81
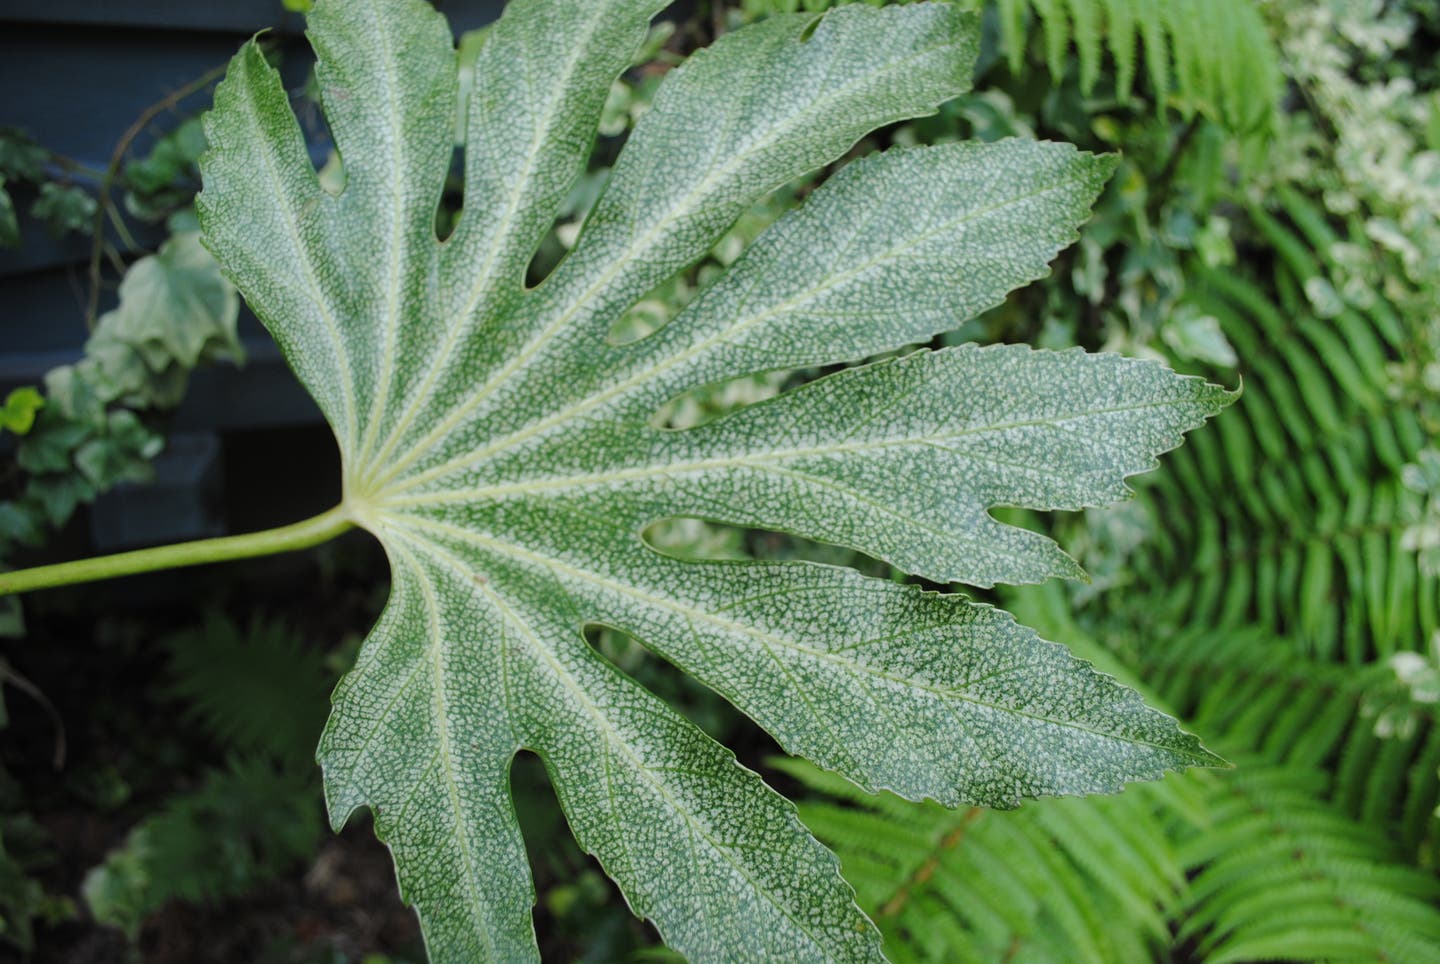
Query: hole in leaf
324, 154
694, 539
698, 406
653, 311
705, 403
452, 197
614, 127
331, 174
686, 537
569, 221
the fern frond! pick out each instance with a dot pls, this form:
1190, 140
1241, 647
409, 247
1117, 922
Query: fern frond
1046, 883
1055, 29
1212, 57
1274, 872
1311, 715
1281, 874
1013, 14
1290, 515
1278, 584
257, 690
239, 828
243, 825
1119, 29
1087, 19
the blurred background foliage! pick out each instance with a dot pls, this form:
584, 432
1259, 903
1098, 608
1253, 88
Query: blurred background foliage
1275, 222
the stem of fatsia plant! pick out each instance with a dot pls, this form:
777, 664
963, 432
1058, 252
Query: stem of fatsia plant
268, 542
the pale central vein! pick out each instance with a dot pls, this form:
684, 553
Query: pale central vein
398, 250
761, 459
944, 694
322, 304
442, 726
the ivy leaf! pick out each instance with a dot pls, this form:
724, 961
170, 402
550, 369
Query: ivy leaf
176, 312
164, 179
17, 414
9, 226
64, 208
21, 159
175, 307
502, 448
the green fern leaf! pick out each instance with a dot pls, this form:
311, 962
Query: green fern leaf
501, 449
1086, 17
1122, 40
1055, 25
257, 691
1282, 874
1319, 438
1155, 41
239, 829
1012, 31
1061, 880
1214, 57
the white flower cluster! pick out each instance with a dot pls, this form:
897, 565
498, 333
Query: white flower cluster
1376, 167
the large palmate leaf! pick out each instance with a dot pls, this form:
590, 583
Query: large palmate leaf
503, 450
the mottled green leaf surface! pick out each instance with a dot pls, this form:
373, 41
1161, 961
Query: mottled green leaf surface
505, 452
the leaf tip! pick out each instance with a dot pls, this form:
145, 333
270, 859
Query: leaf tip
1197, 754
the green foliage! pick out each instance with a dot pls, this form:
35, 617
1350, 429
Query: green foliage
1363, 147
257, 691
1266, 861
21, 158
1277, 586
175, 312
1212, 57
23, 899
17, 415
258, 694
1422, 536
9, 226
1280, 588
1302, 494
499, 444
1279, 575
1208, 57
25, 848
64, 208
240, 828
96, 426
1278, 873
765, 8
1049, 882
1383, 746
166, 179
